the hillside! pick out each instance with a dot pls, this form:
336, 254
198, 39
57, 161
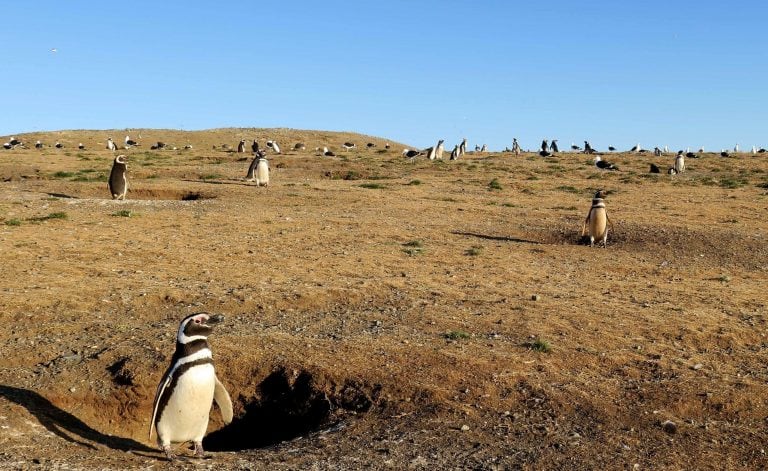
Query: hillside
382, 313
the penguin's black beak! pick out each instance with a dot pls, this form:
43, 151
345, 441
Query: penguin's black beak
215, 319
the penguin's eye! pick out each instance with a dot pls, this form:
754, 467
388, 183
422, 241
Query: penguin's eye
197, 321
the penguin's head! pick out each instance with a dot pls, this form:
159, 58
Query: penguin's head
197, 326
120, 159
600, 193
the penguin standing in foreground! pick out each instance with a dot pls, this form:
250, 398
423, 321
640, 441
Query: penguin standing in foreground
597, 221
118, 182
259, 170
188, 388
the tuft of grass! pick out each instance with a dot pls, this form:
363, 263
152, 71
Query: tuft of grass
13, 222
568, 189
413, 248
211, 176
123, 213
540, 345
414, 182
63, 174
89, 178
474, 251
50, 216
732, 183
456, 335
372, 186
494, 184
763, 185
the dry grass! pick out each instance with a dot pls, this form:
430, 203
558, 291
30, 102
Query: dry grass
348, 299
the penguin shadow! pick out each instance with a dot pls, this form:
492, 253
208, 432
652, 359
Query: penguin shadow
498, 238
65, 425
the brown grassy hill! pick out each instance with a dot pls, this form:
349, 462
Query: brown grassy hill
383, 313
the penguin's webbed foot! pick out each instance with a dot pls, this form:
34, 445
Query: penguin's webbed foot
168, 453
199, 452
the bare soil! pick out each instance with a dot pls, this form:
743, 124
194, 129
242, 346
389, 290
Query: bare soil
384, 313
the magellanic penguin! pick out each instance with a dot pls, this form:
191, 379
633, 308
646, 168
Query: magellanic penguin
597, 221
118, 182
455, 152
111, 145
439, 149
680, 162
259, 170
188, 388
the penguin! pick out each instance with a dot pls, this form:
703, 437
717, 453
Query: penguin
544, 153
81, 146
574, 146
604, 165
484, 148
38, 145
130, 142
111, 145
409, 153
241, 146
735, 148
431, 153
680, 163
463, 147
58, 145
636, 148
118, 182
455, 152
544, 145
255, 146
7, 146
259, 170
588, 148
387, 146
273, 145
655, 169
299, 146
672, 171
14, 142
515, 146
370, 145
597, 221
348, 145
188, 388
553, 146
328, 153
724, 153
611, 148
657, 152
439, 149
666, 149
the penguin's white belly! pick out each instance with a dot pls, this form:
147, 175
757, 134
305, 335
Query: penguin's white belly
262, 174
597, 223
185, 417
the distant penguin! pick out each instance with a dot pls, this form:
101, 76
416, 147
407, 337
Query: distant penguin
596, 223
431, 153
680, 163
477, 148
604, 165
58, 145
111, 145
553, 146
544, 145
410, 153
636, 148
370, 145
387, 146
724, 153
611, 148
672, 171
241, 146
38, 145
754, 150
129, 142
118, 181
574, 146
666, 149
14, 142
299, 146
273, 145
656, 152
655, 169
81, 146
348, 146
484, 148
188, 388
455, 152
544, 153
328, 153
254, 146
7, 146
439, 150
736, 148
463, 147
259, 170
588, 148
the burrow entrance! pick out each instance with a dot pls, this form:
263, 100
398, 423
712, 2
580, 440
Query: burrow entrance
178, 195
287, 405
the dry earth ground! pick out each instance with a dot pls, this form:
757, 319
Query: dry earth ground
384, 313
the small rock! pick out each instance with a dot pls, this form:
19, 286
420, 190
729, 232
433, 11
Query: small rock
464, 428
669, 426
72, 389
698, 366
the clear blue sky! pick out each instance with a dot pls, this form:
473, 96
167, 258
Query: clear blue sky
681, 73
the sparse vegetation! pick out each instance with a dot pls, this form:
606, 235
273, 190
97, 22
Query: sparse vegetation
568, 189
123, 213
63, 174
474, 251
13, 222
456, 335
540, 345
373, 186
414, 182
58, 215
414, 247
494, 184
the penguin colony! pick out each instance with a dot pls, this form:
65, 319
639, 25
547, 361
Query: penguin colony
188, 388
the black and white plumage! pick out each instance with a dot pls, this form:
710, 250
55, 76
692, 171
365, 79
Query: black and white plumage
111, 145
762, 150
455, 152
38, 145
188, 388
410, 153
273, 145
680, 162
58, 145
328, 153
611, 148
484, 148
544, 145
7, 146
370, 145
544, 153
463, 147
14, 142
130, 142
588, 148
259, 170
477, 148
439, 149
299, 146
672, 171
241, 146
724, 153
118, 180
553, 146
255, 146
657, 151
575, 147
655, 169
80, 146
603, 164
636, 148
348, 146
597, 221
691, 155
